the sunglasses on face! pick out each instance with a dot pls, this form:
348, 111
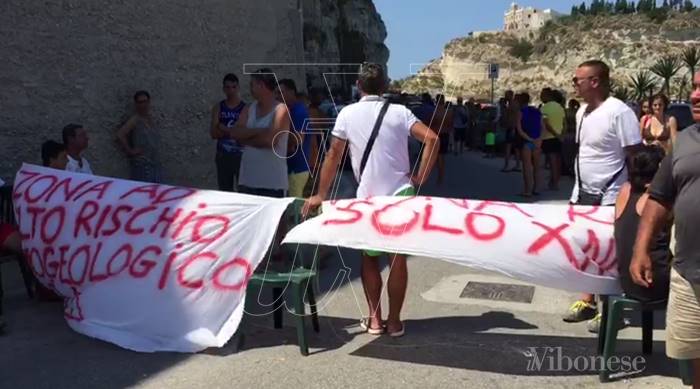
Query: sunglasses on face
577, 80
142, 101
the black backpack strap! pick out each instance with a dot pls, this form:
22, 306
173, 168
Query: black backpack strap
373, 137
578, 154
611, 181
614, 178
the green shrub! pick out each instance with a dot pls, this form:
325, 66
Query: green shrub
658, 15
521, 49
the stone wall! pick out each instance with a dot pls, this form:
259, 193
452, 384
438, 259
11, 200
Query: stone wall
81, 60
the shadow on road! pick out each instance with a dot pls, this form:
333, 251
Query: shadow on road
462, 343
337, 332
41, 351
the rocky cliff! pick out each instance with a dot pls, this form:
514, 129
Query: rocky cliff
81, 61
628, 43
341, 32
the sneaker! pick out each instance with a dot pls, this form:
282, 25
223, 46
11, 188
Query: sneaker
580, 311
594, 324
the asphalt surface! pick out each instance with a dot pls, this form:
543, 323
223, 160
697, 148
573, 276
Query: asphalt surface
451, 342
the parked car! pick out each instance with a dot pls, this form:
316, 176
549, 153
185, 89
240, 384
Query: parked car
683, 114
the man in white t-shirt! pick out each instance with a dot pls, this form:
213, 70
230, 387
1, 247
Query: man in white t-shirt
607, 132
75, 139
387, 173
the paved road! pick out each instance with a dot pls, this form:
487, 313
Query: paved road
451, 342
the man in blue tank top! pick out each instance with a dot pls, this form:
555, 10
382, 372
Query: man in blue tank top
228, 151
299, 145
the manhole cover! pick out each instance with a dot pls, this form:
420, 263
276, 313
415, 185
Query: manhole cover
499, 292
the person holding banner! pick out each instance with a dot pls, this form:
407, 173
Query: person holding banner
75, 138
676, 190
607, 136
628, 208
377, 133
53, 155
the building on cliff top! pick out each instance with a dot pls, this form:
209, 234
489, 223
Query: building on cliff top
519, 18
522, 20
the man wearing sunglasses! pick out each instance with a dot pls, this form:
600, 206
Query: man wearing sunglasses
607, 135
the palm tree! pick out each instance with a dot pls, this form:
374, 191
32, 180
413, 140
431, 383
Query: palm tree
622, 92
666, 68
691, 58
642, 83
683, 89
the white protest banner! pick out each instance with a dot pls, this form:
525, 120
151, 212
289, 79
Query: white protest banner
564, 247
147, 267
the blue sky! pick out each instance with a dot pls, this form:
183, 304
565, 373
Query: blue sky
419, 29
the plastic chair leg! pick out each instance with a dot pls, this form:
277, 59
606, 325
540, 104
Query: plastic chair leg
314, 311
647, 332
611, 329
277, 313
603, 323
686, 370
1, 291
298, 296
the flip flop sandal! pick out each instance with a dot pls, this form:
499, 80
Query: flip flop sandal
399, 333
365, 325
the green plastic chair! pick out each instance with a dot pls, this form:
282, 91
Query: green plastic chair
686, 368
301, 280
613, 310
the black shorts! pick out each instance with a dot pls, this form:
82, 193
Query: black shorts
518, 141
460, 134
511, 136
276, 193
551, 146
444, 142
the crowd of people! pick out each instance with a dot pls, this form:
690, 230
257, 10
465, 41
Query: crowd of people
641, 164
